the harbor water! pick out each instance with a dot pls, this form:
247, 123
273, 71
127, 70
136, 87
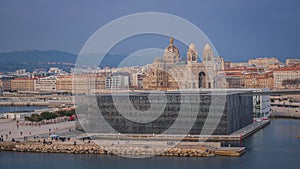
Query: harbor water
275, 146
5, 109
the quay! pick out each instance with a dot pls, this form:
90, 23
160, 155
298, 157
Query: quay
34, 99
36, 103
280, 115
251, 129
29, 103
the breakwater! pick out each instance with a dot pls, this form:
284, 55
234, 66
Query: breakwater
200, 151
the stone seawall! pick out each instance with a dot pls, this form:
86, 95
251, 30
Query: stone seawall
108, 150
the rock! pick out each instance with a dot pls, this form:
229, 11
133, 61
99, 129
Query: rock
108, 150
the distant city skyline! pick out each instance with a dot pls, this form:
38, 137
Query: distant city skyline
240, 29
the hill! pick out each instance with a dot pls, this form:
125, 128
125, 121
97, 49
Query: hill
35, 59
43, 60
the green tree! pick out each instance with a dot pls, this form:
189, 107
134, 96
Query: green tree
48, 115
70, 113
34, 118
61, 113
294, 83
28, 118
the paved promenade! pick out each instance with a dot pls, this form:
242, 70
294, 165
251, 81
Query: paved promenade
9, 129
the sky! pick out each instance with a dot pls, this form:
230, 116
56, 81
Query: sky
239, 29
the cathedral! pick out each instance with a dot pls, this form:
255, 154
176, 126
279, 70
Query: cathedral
171, 72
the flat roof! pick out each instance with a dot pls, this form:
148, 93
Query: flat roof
182, 91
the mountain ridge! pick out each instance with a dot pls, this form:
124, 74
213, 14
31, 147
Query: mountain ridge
33, 59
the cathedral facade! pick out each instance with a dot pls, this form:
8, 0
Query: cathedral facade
171, 73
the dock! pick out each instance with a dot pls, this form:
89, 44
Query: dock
230, 151
250, 129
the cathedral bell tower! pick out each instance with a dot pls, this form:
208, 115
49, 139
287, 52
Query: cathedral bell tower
207, 54
192, 54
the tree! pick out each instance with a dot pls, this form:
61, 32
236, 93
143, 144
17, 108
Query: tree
61, 113
70, 113
48, 115
28, 118
34, 118
294, 83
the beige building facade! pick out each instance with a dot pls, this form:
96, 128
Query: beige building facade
285, 74
46, 84
170, 72
265, 62
256, 80
290, 62
81, 84
23, 84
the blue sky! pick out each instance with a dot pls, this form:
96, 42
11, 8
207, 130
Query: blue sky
239, 29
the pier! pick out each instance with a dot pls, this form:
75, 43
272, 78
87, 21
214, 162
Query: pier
231, 151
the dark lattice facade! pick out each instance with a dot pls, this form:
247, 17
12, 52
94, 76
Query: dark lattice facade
183, 112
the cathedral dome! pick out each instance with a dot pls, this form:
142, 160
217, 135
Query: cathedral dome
171, 48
